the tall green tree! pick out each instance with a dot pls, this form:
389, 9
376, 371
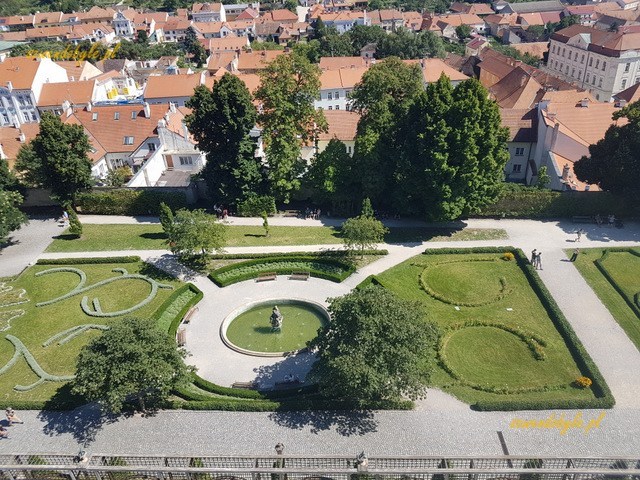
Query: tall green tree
409, 45
376, 347
195, 232
220, 121
383, 97
361, 35
11, 218
57, 158
361, 233
289, 85
133, 359
614, 161
191, 44
453, 151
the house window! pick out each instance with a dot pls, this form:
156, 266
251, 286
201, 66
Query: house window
597, 63
582, 59
566, 70
604, 66
336, 95
186, 161
553, 49
330, 107
517, 168
593, 80
94, 117
591, 61
573, 72
337, 107
627, 66
586, 79
637, 80
600, 83
624, 83
33, 117
128, 140
134, 115
349, 149
330, 96
5, 118
116, 115
519, 151
151, 147
563, 51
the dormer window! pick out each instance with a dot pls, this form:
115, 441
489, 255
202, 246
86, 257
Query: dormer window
94, 117
134, 114
128, 140
116, 115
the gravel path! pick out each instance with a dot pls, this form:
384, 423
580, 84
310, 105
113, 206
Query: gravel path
439, 424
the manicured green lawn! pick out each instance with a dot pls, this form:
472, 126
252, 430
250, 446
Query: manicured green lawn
625, 269
151, 237
40, 323
251, 330
487, 360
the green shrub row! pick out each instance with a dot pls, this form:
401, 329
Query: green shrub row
252, 394
129, 202
325, 253
173, 327
341, 270
604, 398
504, 291
532, 203
84, 261
632, 302
509, 405
255, 205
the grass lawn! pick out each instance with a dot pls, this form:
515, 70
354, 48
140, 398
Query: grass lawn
624, 267
40, 323
486, 361
151, 237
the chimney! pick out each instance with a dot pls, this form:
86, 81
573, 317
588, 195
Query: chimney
162, 123
565, 172
185, 131
22, 137
10, 86
172, 107
147, 109
89, 106
2, 154
584, 103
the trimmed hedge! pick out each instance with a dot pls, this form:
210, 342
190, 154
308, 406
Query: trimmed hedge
129, 202
346, 269
86, 261
516, 201
632, 302
604, 398
255, 205
175, 323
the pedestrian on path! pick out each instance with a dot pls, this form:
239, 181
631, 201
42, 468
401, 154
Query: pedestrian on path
538, 264
11, 416
579, 233
534, 256
574, 257
4, 433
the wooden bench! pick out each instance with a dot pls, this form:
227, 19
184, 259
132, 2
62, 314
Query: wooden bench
300, 276
263, 277
582, 219
245, 385
189, 314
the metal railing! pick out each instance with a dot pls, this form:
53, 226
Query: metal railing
292, 467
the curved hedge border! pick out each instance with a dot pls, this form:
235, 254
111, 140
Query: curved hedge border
173, 326
323, 254
504, 290
345, 267
82, 261
632, 302
604, 398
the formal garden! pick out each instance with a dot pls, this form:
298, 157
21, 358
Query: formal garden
504, 344
50, 311
613, 274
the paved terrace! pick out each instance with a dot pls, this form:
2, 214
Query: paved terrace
440, 424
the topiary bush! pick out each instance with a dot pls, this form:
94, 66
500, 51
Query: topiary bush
129, 202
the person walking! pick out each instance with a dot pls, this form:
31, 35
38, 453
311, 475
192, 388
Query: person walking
534, 257
4, 433
11, 416
579, 233
538, 263
574, 257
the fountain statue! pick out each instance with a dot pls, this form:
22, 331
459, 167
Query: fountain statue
276, 320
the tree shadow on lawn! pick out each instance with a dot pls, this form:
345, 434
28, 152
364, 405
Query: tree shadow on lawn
347, 422
83, 422
170, 265
66, 237
154, 236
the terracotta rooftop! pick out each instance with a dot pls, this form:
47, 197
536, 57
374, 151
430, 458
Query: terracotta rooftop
458, 19
516, 90
536, 49
257, 60
522, 124
160, 86
218, 60
602, 41
206, 7
113, 123
432, 68
77, 93
341, 78
342, 125
475, 8
10, 139
281, 15
248, 14
631, 94
20, 71
334, 63
75, 69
